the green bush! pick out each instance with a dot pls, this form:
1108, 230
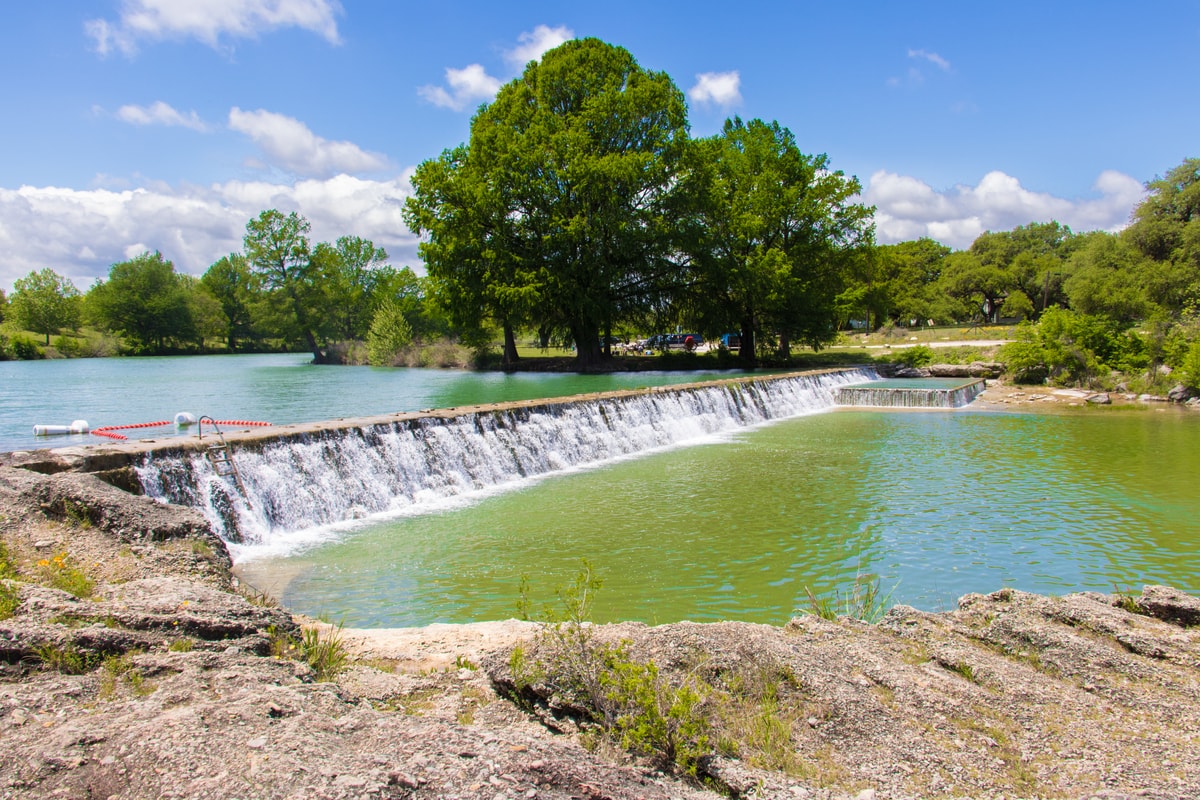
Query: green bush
1190, 366
24, 348
919, 355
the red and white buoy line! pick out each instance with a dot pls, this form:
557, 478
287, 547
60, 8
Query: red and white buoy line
182, 420
111, 430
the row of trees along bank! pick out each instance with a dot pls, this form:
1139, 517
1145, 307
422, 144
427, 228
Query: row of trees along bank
580, 209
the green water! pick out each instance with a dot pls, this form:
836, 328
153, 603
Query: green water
937, 504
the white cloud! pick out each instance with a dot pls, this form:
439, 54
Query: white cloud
932, 58
289, 144
81, 233
719, 88
209, 21
160, 113
908, 208
532, 44
470, 85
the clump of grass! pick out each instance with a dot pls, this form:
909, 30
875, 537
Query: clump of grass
181, 646
7, 568
256, 597
1126, 600
10, 600
118, 667
61, 573
674, 718
323, 649
66, 659
864, 601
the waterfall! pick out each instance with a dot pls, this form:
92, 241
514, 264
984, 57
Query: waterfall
907, 397
300, 481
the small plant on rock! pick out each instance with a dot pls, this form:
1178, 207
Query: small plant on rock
61, 573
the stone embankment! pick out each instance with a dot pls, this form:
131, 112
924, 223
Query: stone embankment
160, 679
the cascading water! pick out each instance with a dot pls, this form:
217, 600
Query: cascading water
909, 397
303, 481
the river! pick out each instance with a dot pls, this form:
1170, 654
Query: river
930, 505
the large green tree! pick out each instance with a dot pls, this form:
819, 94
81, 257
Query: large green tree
45, 302
279, 254
145, 301
349, 272
1166, 228
229, 282
555, 214
778, 234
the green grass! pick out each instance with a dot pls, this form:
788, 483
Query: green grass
864, 601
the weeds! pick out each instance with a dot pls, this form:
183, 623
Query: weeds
181, 646
1126, 600
322, 649
117, 667
863, 601
60, 573
10, 600
673, 719
7, 568
255, 597
66, 659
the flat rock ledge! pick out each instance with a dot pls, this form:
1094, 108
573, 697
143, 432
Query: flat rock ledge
1009, 695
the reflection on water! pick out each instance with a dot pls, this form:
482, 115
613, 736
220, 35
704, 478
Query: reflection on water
936, 504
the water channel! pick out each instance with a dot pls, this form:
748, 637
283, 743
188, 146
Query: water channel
736, 526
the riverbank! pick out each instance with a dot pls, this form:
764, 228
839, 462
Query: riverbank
161, 679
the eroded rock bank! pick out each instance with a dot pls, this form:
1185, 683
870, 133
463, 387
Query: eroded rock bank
162, 680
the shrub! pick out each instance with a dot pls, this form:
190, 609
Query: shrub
60, 573
1190, 366
10, 600
389, 334
919, 355
24, 348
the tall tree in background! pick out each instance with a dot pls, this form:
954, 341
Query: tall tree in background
145, 301
349, 272
554, 214
229, 282
278, 253
778, 234
45, 302
1166, 228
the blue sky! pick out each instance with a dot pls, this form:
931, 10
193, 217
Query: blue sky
166, 124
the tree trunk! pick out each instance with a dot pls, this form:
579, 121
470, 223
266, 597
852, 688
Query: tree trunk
588, 354
510, 347
785, 345
746, 354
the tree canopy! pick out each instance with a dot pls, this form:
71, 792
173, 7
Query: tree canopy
45, 302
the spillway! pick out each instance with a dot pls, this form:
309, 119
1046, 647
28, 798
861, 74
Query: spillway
320, 475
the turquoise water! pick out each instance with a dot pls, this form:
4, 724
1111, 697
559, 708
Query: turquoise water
936, 504
272, 388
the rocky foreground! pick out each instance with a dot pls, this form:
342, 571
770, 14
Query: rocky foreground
163, 680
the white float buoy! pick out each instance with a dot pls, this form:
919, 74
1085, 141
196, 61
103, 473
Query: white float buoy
184, 419
78, 426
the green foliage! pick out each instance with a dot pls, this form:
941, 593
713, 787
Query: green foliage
145, 301
919, 355
66, 659
24, 348
1190, 366
323, 649
7, 568
1070, 348
45, 302
181, 646
61, 573
863, 601
389, 334
10, 596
